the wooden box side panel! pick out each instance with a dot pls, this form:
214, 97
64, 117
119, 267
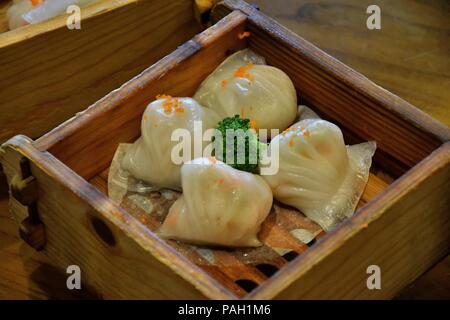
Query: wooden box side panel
48, 74
404, 134
117, 255
404, 232
86, 143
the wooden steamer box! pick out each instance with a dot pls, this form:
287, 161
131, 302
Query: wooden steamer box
58, 185
48, 72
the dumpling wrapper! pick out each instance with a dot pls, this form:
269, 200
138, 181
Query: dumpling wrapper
15, 12
52, 8
219, 206
318, 174
149, 158
243, 85
23, 12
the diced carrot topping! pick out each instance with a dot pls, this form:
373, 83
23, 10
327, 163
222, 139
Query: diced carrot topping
291, 141
163, 96
253, 123
223, 83
244, 35
167, 106
221, 181
307, 134
171, 104
35, 2
242, 72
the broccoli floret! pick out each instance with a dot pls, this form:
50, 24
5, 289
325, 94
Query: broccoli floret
241, 149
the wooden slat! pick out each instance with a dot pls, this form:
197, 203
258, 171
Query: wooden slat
227, 270
404, 232
232, 265
85, 143
347, 98
128, 256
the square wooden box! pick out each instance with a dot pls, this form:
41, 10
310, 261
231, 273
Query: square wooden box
58, 183
47, 69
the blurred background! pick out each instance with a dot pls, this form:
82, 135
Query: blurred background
409, 56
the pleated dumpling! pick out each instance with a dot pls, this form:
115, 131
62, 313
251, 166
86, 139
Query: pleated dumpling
150, 157
318, 174
24, 12
15, 12
219, 206
243, 85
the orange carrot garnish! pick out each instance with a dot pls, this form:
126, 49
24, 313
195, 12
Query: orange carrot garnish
223, 83
242, 72
244, 35
253, 123
291, 141
163, 96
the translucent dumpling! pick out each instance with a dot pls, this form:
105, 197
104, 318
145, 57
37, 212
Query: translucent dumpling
150, 158
219, 206
318, 174
24, 12
243, 85
15, 12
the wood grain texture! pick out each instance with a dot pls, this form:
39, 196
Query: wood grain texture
229, 267
404, 231
211, 43
391, 282
135, 264
85, 142
344, 96
48, 73
408, 56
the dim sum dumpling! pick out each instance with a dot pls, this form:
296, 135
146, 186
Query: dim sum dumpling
149, 158
219, 206
243, 85
318, 174
24, 12
15, 12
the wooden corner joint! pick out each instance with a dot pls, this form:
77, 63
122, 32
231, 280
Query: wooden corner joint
24, 190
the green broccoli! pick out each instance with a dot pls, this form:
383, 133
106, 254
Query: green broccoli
241, 149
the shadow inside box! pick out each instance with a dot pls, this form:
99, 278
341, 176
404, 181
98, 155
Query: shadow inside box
3, 184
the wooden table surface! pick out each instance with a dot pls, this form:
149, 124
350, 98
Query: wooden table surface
408, 56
